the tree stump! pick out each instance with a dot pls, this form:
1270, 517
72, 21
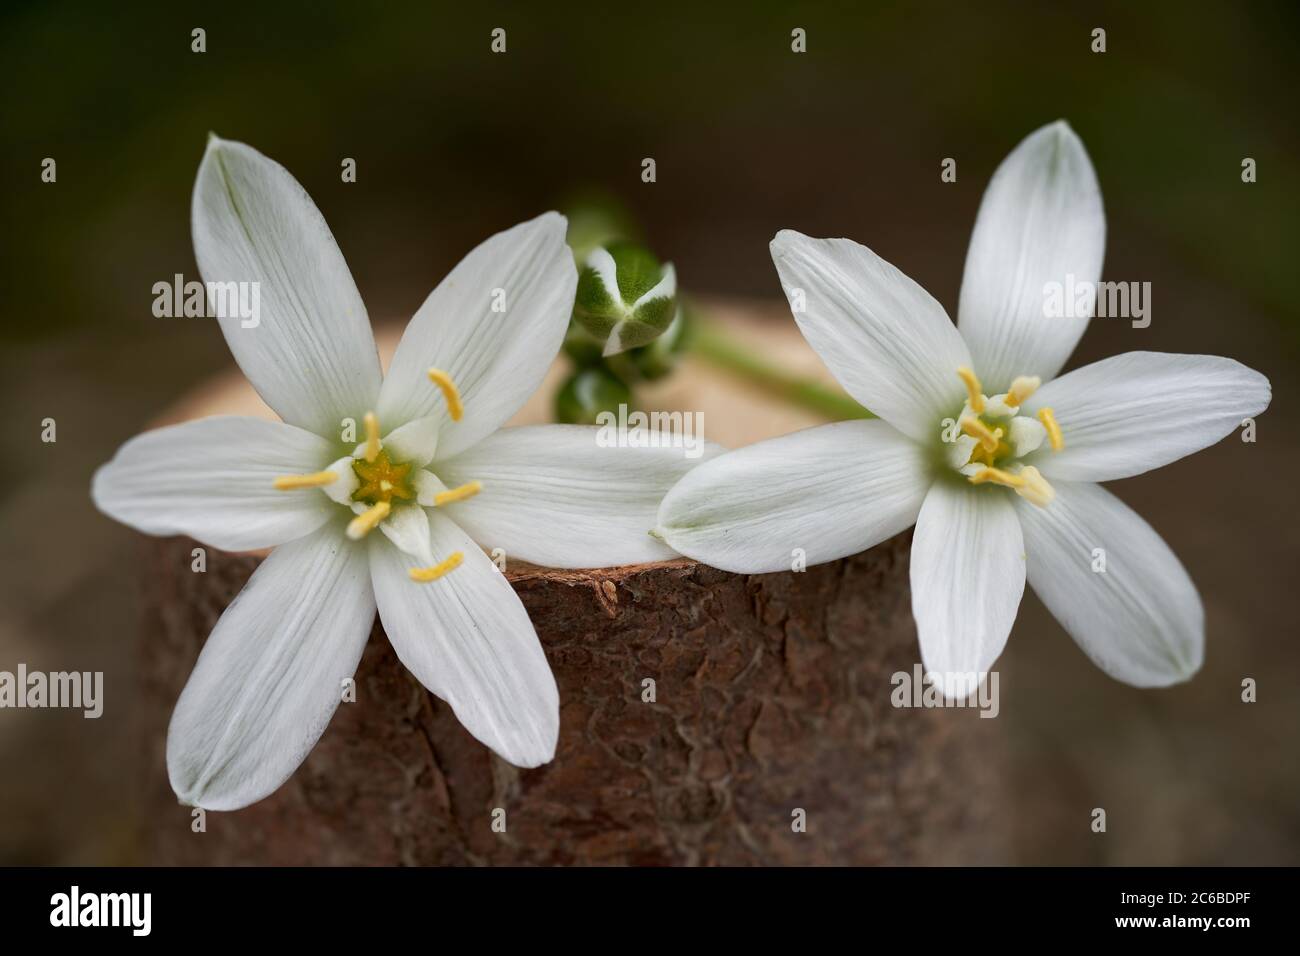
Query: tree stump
706, 718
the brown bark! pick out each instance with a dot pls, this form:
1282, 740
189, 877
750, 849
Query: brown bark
772, 694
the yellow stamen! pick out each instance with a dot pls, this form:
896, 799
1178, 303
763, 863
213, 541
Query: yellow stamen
1021, 389
372, 436
998, 477
451, 495
1035, 488
368, 520
973, 389
982, 456
449, 392
1053, 430
977, 429
315, 480
438, 570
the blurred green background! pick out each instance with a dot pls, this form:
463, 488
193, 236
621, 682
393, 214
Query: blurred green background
453, 143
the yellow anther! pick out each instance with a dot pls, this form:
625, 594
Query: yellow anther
1053, 430
998, 477
438, 570
368, 520
1034, 487
316, 479
449, 392
973, 389
467, 490
1021, 389
372, 436
986, 436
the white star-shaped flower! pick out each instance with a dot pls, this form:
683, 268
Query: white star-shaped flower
978, 443
429, 467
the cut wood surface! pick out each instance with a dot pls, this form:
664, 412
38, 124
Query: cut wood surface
771, 707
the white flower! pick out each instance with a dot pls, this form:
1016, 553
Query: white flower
1011, 491
428, 441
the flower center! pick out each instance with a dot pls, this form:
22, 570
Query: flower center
382, 480
377, 484
995, 435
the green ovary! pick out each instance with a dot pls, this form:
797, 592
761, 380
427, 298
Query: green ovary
382, 480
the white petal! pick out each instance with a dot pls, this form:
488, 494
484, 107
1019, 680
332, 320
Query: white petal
312, 354
995, 407
496, 359
407, 527
342, 490
271, 674
831, 491
553, 495
958, 451
214, 480
1025, 435
968, 575
1040, 221
467, 637
427, 487
1141, 620
1141, 410
416, 441
890, 344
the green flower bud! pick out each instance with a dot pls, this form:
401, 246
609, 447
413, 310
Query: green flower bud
581, 347
587, 393
625, 298
657, 359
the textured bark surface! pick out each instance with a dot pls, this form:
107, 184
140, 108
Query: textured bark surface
772, 694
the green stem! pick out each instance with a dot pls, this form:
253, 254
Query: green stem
711, 343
